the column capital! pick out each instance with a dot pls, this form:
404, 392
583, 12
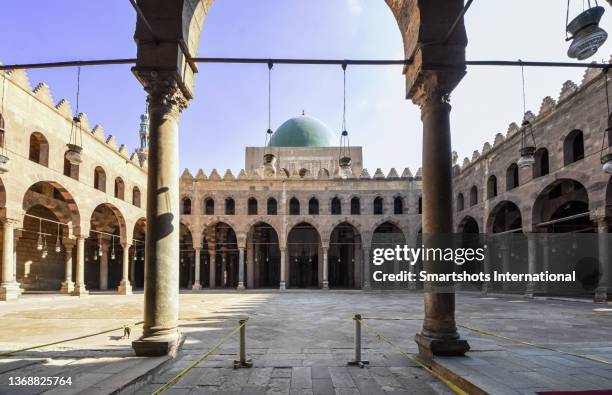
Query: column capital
599, 216
325, 245
68, 242
126, 245
10, 221
435, 88
197, 249
164, 93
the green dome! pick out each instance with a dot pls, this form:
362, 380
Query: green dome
302, 131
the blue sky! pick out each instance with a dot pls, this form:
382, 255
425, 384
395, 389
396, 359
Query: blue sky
229, 111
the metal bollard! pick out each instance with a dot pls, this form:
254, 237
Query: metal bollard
243, 362
357, 361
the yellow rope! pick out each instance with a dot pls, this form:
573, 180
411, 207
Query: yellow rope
176, 378
485, 333
10, 353
381, 337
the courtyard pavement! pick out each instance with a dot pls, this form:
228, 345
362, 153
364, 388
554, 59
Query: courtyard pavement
300, 342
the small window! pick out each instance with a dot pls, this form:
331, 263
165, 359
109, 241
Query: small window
573, 147
541, 166
492, 187
186, 206
460, 202
100, 179
398, 205
336, 206
420, 205
355, 206
313, 206
71, 170
272, 206
378, 206
473, 196
230, 206
119, 188
136, 197
294, 207
252, 206
512, 177
209, 206
39, 149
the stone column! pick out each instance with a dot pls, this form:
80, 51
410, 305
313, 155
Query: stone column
196, 282
283, 268
601, 293
241, 269
505, 256
133, 266
68, 284
325, 249
212, 269
439, 335
223, 269
9, 289
487, 270
545, 258
250, 267
103, 259
532, 253
161, 295
16, 239
79, 287
366, 268
125, 288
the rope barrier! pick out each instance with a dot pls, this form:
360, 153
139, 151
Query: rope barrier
184, 372
411, 357
491, 334
11, 353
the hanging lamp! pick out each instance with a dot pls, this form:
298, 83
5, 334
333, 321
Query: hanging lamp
58, 247
584, 31
73, 154
39, 242
344, 160
3, 149
100, 253
112, 256
44, 251
269, 158
606, 153
528, 145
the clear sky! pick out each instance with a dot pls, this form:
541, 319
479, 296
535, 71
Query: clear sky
229, 111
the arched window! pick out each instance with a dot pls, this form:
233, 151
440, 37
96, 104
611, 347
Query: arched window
39, 149
336, 206
186, 206
460, 202
71, 170
209, 206
512, 177
252, 206
304, 173
473, 196
272, 206
230, 206
573, 147
398, 205
294, 206
378, 206
313, 206
541, 166
119, 188
136, 197
420, 205
492, 187
355, 206
100, 179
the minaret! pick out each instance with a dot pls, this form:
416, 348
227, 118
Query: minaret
143, 150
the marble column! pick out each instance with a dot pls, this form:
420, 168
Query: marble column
366, 268
161, 294
601, 293
325, 249
125, 288
68, 284
16, 240
545, 259
9, 288
212, 269
79, 287
250, 267
532, 253
283, 268
133, 266
241, 269
196, 282
505, 257
484, 291
439, 334
223, 269
103, 259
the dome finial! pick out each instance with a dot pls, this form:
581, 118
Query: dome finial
303, 113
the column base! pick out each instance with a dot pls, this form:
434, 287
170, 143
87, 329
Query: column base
240, 287
529, 290
430, 347
485, 289
325, 285
157, 347
80, 290
282, 286
9, 291
601, 295
125, 288
67, 287
412, 286
366, 286
196, 286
